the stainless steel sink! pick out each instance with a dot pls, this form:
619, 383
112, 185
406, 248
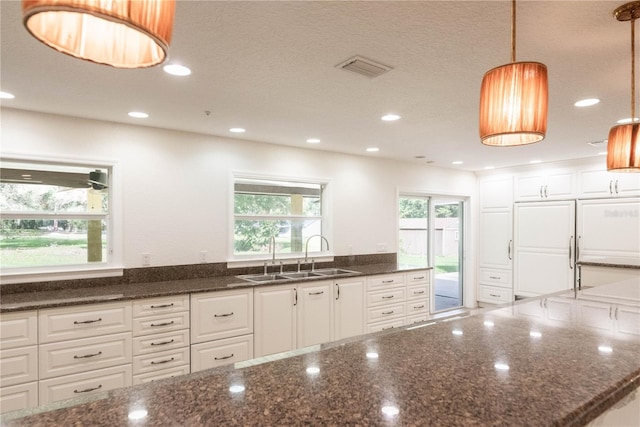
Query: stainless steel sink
263, 278
302, 275
333, 272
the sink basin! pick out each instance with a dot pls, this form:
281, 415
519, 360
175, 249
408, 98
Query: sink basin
333, 272
302, 275
263, 278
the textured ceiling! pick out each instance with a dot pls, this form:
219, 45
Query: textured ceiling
270, 67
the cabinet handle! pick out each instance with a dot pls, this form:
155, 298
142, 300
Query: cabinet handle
509, 249
388, 281
224, 357
316, 293
295, 297
546, 193
87, 390
611, 187
541, 196
86, 356
338, 292
162, 305
545, 303
578, 248
495, 295
610, 312
388, 327
418, 278
162, 324
418, 292
163, 342
615, 316
223, 315
570, 252
385, 313
162, 361
387, 297
418, 306
494, 277
84, 322
616, 186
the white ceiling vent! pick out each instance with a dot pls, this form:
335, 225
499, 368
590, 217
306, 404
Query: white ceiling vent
598, 144
364, 66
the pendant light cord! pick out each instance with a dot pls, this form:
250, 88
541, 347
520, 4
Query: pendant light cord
633, 70
513, 30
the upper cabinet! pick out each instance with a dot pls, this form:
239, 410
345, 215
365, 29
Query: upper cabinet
546, 185
600, 183
496, 192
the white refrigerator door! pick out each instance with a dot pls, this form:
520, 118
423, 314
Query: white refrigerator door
544, 240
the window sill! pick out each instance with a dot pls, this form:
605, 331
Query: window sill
59, 273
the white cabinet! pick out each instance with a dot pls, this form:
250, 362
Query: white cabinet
348, 308
551, 184
160, 338
496, 192
18, 361
216, 316
552, 310
601, 183
544, 247
315, 313
84, 350
275, 319
621, 319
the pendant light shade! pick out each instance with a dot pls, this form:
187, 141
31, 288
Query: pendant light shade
120, 33
623, 152
513, 104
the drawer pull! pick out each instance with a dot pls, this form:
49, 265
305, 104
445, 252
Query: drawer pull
494, 277
162, 324
162, 361
388, 327
84, 322
86, 356
223, 315
495, 295
418, 292
388, 297
224, 357
418, 278
87, 390
316, 293
388, 281
387, 312
162, 305
418, 306
163, 342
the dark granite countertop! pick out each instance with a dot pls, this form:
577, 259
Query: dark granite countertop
510, 366
38, 299
610, 262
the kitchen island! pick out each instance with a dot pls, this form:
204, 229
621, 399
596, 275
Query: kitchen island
535, 362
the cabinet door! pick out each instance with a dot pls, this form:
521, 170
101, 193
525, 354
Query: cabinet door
560, 185
275, 320
495, 239
216, 315
596, 183
315, 313
627, 320
627, 184
496, 192
349, 308
544, 241
530, 187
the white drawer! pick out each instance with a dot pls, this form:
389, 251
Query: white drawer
163, 360
387, 296
217, 315
421, 276
71, 357
70, 323
161, 305
385, 312
221, 352
18, 365
160, 342
417, 306
419, 291
158, 375
385, 281
383, 326
84, 384
18, 397
495, 295
160, 323
419, 318
501, 278
18, 329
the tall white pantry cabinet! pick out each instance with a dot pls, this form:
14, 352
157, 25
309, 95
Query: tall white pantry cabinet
535, 226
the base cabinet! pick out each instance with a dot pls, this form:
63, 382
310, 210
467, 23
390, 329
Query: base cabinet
275, 319
315, 314
221, 352
348, 308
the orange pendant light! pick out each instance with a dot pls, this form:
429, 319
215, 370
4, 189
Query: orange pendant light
120, 33
514, 100
623, 152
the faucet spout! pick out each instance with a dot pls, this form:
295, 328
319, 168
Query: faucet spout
306, 246
272, 244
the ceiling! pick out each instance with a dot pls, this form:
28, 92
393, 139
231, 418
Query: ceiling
270, 67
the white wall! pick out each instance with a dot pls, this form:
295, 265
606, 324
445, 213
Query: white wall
176, 186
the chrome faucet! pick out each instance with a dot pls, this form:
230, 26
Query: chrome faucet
272, 250
306, 248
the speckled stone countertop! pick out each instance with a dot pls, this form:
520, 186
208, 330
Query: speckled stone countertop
611, 262
22, 301
511, 366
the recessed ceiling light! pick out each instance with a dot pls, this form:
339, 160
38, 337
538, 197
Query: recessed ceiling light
457, 162
373, 149
6, 95
627, 120
535, 161
313, 140
138, 115
587, 102
237, 130
176, 70
390, 117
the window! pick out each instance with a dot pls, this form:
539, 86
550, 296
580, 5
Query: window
53, 215
288, 212
413, 236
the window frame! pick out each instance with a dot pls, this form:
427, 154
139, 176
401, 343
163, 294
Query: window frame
286, 258
113, 264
